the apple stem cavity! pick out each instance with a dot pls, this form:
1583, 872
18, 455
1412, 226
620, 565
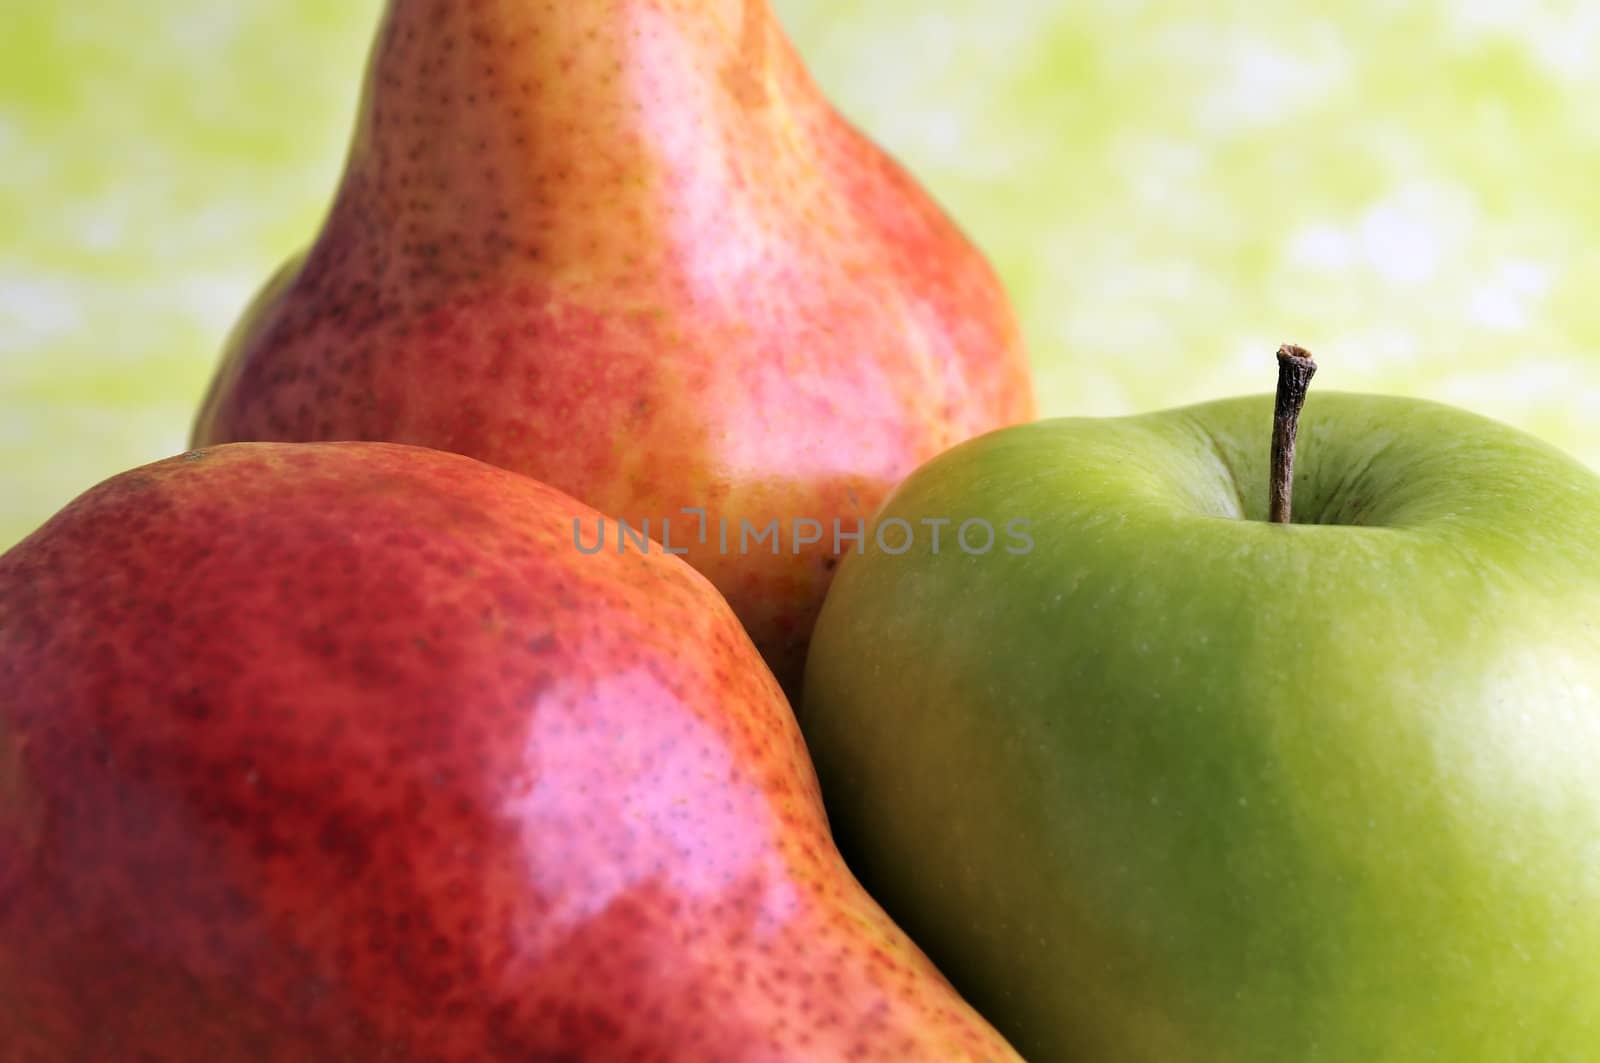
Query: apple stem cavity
1295, 370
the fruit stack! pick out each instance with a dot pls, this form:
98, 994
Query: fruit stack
436, 707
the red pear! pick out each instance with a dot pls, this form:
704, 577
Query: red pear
626, 247
345, 752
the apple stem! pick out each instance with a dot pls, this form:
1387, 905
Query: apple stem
1295, 370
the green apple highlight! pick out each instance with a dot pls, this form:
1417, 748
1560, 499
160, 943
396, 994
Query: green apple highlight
1181, 784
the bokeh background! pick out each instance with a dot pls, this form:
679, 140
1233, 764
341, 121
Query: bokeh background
1411, 189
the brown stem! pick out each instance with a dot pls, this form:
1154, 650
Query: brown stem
1295, 370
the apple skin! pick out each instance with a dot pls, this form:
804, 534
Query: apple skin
1176, 786
628, 249
344, 752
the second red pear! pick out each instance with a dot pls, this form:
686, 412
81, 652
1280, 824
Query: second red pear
343, 753
627, 247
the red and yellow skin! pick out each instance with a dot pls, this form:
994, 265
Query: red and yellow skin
627, 248
343, 751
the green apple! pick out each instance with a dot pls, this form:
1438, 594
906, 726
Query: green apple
1179, 784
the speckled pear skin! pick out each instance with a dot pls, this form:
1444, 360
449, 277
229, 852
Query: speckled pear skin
344, 752
626, 247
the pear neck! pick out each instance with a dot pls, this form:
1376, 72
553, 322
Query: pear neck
545, 129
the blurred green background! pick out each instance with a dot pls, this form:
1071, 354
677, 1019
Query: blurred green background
1410, 189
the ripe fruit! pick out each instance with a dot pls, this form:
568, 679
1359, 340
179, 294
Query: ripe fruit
628, 249
1226, 789
342, 751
